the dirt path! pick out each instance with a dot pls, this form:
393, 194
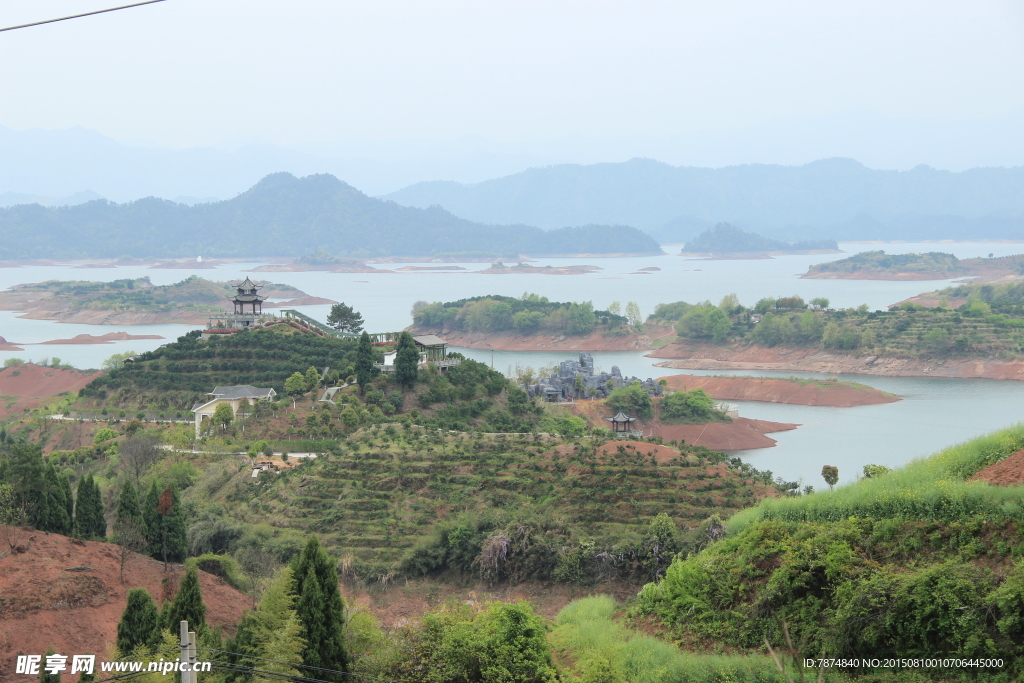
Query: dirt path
796, 392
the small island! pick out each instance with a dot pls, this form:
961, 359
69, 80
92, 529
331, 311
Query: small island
727, 241
134, 301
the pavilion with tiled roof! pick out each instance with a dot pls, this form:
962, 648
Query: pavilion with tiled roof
621, 423
247, 296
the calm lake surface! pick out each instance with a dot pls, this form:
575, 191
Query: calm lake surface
934, 413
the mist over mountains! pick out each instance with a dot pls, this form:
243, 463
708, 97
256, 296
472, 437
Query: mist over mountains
673, 199
60, 163
832, 198
287, 216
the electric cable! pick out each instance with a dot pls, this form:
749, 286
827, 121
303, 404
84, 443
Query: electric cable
297, 666
78, 16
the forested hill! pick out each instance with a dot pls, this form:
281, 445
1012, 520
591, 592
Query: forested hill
728, 239
287, 216
835, 198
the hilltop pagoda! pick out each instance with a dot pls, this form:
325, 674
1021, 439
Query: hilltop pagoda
248, 311
247, 296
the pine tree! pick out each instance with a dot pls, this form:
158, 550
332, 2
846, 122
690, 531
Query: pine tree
320, 609
45, 677
277, 633
177, 531
364, 361
128, 509
311, 610
98, 518
407, 359
140, 622
166, 533
154, 528
187, 605
56, 516
86, 509
284, 648
69, 502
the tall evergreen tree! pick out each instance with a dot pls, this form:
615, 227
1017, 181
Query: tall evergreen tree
88, 507
36, 488
320, 609
166, 534
128, 509
187, 605
407, 359
57, 519
69, 501
98, 518
277, 631
364, 361
140, 622
154, 535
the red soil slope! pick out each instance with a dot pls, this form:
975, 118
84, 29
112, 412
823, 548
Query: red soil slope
816, 393
30, 380
1006, 472
66, 594
108, 338
739, 435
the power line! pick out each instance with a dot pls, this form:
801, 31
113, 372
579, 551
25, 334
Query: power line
297, 666
265, 673
77, 16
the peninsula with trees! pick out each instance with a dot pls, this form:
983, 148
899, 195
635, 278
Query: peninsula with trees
136, 301
877, 265
983, 336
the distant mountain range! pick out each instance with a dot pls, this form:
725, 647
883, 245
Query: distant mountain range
832, 198
287, 216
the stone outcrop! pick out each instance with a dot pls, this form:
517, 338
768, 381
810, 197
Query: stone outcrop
563, 386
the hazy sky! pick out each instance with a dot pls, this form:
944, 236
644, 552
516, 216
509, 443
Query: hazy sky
192, 72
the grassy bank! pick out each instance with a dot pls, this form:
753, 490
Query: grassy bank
916, 562
593, 644
928, 489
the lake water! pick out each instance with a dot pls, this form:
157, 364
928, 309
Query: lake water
934, 413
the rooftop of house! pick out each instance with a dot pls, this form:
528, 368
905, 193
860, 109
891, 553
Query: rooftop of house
241, 391
429, 340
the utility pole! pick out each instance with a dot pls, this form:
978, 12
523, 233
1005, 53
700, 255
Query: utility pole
188, 657
183, 642
193, 658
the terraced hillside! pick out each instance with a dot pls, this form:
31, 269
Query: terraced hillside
176, 375
395, 499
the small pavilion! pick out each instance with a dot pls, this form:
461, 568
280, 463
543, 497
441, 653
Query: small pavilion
621, 423
247, 296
